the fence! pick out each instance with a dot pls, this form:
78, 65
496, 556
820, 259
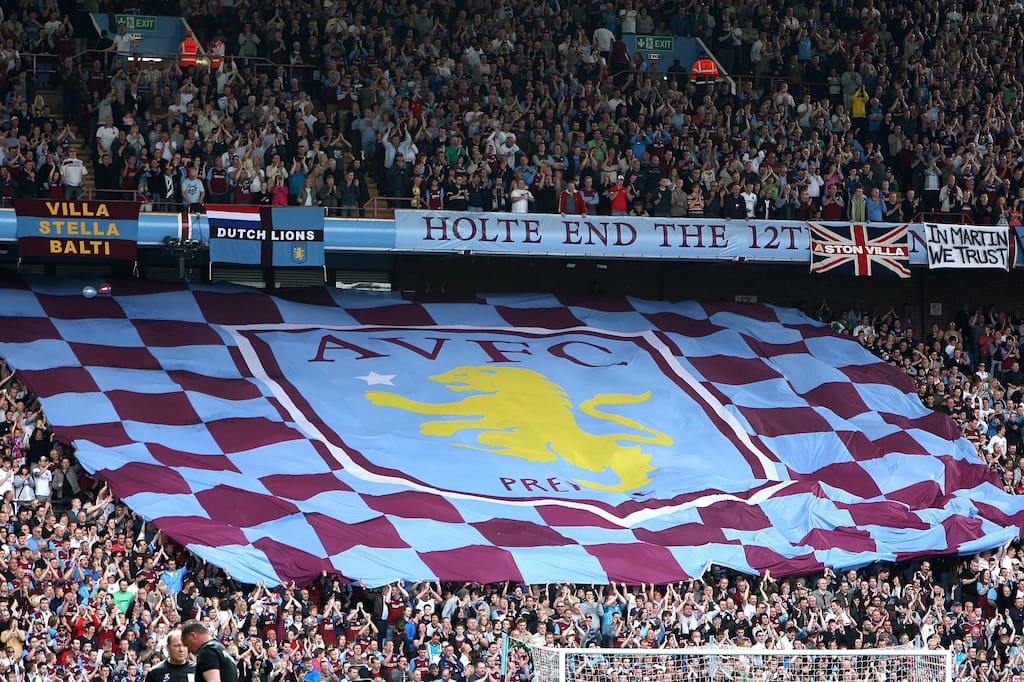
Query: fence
384, 207
953, 217
113, 194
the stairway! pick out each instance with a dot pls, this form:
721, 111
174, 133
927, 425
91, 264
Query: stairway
380, 210
374, 209
85, 154
55, 100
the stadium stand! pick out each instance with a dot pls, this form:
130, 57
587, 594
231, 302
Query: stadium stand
91, 591
841, 107
830, 99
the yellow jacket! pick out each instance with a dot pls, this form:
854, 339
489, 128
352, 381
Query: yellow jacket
859, 104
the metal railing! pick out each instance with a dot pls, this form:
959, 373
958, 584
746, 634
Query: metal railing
259, 64
797, 90
955, 217
346, 212
113, 195
41, 63
371, 210
384, 207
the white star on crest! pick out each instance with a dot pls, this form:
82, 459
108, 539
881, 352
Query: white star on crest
374, 379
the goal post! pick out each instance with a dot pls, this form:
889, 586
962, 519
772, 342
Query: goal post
741, 664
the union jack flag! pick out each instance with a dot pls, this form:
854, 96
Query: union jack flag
861, 250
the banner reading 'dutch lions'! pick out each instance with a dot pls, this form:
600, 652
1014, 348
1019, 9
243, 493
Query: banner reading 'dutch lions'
278, 236
77, 229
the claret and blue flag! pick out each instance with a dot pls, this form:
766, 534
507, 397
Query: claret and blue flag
533, 438
73, 230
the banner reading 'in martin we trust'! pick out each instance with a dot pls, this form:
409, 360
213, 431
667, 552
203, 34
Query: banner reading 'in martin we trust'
276, 236
967, 246
77, 229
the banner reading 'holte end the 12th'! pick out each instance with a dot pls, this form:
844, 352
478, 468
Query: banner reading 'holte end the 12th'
82, 229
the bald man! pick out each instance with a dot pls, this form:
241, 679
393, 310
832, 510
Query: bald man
213, 663
177, 667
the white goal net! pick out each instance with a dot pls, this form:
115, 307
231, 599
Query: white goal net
741, 665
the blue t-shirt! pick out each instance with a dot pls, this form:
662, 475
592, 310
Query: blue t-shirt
173, 580
295, 182
875, 210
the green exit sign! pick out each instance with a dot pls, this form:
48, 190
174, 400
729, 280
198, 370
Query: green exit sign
135, 22
658, 43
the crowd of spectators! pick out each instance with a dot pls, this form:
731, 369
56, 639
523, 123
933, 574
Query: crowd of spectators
34, 39
89, 591
876, 111
969, 369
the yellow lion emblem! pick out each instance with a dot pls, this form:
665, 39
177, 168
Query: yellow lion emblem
505, 400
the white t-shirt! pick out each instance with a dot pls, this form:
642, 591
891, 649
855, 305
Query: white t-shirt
628, 18
814, 184
105, 136
750, 199
603, 38
164, 149
123, 44
6, 481
521, 200
73, 171
43, 479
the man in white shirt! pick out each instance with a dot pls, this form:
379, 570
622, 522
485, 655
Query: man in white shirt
44, 477
603, 39
627, 19
164, 148
540, 637
122, 48
509, 149
688, 619
521, 197
501, 131
997, 443
865, 327
783, 98
750, 199
106, 135
72, 172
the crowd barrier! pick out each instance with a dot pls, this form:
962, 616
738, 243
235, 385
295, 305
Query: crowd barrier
417, 231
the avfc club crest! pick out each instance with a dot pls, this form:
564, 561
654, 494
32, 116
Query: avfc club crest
299, 253
516, 412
